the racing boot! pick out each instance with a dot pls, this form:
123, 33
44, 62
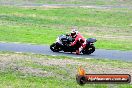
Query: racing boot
80, 49
77, 52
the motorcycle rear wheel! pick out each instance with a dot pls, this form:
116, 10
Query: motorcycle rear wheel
89, 50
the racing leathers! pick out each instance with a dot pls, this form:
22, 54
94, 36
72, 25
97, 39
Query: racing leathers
78, 43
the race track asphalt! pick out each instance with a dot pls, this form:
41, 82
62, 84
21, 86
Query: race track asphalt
44, 49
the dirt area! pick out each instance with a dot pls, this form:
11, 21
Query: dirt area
50, 67
63, 3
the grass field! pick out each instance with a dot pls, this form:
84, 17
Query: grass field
84, 2
30, 70
39, 25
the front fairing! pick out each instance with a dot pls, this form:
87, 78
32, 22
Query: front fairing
58, 40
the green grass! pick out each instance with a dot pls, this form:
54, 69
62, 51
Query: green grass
40, 25
68, 16
114, 44
15, 80
62, 78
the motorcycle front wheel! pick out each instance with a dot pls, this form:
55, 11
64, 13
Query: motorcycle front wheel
55, 48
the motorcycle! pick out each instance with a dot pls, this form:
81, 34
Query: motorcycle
63, 44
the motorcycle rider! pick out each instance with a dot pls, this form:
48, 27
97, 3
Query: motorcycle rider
78, 42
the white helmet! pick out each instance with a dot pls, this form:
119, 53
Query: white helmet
74, 33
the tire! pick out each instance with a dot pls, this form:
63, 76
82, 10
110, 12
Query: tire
89, 50
93, 49
55, 48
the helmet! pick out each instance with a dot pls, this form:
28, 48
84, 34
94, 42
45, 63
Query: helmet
74, 33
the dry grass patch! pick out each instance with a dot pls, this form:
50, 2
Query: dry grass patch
51, 66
